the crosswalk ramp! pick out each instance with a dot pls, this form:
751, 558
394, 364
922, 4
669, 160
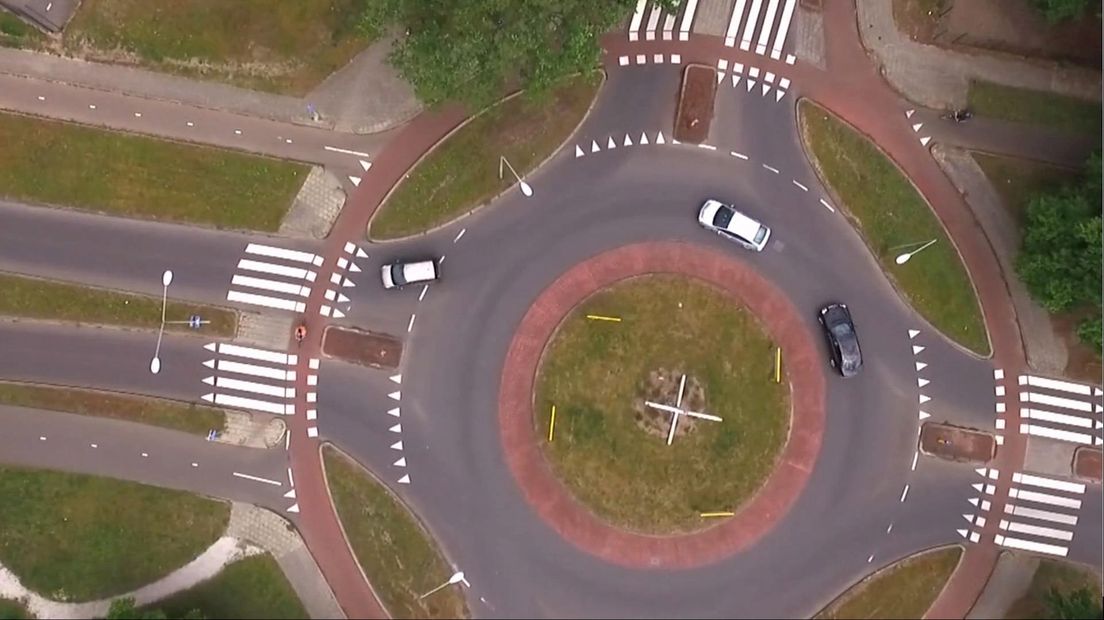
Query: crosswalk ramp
274, 277
1062, 410
250, 378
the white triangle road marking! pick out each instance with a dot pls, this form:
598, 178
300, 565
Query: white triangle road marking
354, 180
397, 378
397, 446
643, 138
913, 333
610, 144
395, 395
361, 253
924, 399
659, 138
365, 164
290, 494
628, 141
293, 508
401, 462
405, 479
916, 349
921, 382
917, 126
594, 148
393, 412
578, 151
396, 428
924, 415
920, 366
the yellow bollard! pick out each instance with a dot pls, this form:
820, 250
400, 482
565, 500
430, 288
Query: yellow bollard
552, 424
599, 317
778, 365
706, 515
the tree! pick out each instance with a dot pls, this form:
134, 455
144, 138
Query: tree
473, 50
1061, 10
1079, 604
126, 609
1060, 259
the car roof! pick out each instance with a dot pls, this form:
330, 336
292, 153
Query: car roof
743, 225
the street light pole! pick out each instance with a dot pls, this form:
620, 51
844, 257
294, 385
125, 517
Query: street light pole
166, 280
456, 578
904, 258
525, 187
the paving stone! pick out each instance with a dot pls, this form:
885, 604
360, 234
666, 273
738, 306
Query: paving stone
712, 16
268, 330
316, 206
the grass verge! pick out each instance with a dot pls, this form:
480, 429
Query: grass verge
904, 590
1064, 576
254, 587
285, 47
14, 32
1035, 107
610, 450
1017, 180
189, 418
461, 173
134, 176
396, 553
892, 216
58, 301
72, 537
13, 610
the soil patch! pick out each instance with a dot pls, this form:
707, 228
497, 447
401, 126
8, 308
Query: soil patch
957, 444
1084, 362
1087, 463
695, 108
362, 347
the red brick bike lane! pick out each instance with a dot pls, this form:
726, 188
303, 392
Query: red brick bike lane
555, 504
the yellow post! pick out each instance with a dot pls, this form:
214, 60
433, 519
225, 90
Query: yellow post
599, 317
778, 365
552, 424
707, 515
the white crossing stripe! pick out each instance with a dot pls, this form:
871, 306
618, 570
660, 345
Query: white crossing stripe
1044, 498
1057, 418
638, 14
653, 21
275, 252
669, 26
1036, 530
783, 28
268, 372
749, 28
734, 22
239, 402
297, 273
1061, 435
271, 285
1027, 545
266, 301
768, 24
1041, 515
1055, 384
687, 20
263, 355
1056, 401
252, 386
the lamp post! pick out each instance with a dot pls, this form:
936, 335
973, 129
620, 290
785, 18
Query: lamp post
525, 187
456, 578
904, 258
166, 280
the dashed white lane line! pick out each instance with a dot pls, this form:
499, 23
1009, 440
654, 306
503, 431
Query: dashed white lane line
42, 438
257, 479
915, 457
194, 464
410, 325
827, 206
145, 455
137, 115
771, 168
740, 155
291, 479
889, 529
421, 296
91, 106
904, 493
41, 98
708, 147
460, 234
237, 132
190, 124
799, 185
94, 445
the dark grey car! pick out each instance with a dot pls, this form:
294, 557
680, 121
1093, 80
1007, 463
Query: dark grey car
843, 343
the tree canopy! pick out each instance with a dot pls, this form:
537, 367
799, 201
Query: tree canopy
126, 609
1079, 604
1061, 10
474, 50
1060, 260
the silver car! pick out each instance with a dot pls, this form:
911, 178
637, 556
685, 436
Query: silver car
731, 224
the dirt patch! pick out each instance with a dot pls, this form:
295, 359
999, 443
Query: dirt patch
362, 347
1087, 463
957, 444
1083, 363
662, 386
695, 108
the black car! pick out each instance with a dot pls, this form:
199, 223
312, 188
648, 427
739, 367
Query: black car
843, 343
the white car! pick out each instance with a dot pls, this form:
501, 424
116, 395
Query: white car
399, 274
728, 222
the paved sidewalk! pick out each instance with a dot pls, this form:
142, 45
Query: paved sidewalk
939, 78
1010, 580
1038, 142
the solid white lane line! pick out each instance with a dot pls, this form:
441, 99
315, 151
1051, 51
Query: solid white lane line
1027, 545
1061, 435
799, 185
241, 385
638, 15
252, 353
258, 479
1037, 530
1044, 498
783, 28
734, 22
280, 374
768, 26
266, 301
1058, 418
410, 325
1057, 401
271, 285
275, 252
296, 273
1056, 384
1041, 515
749, 28
1049, 483
240, 402
346, 151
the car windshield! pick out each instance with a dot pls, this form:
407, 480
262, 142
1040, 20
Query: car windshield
397, 275
761, 234
723, 217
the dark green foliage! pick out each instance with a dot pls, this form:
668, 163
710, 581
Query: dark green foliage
1079, 604
1061, 10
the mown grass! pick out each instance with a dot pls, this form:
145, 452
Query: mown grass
905, 590
1017, 180
254, 587
1035, 107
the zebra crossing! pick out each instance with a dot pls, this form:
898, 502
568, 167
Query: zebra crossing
251, 378
754, 25
754, 77
1039, 513
1061, 410
274, 277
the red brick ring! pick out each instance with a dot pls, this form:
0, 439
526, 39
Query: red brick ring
555, 504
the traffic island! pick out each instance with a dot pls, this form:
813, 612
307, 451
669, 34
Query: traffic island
666, 403
695, 108
957, 444
1087, 463
362, 347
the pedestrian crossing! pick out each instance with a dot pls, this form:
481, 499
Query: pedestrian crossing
251, 378
274, 277
1061, 410
759, 26
1039, 513
752, 78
